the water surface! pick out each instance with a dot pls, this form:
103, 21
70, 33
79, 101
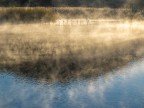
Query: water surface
121, 88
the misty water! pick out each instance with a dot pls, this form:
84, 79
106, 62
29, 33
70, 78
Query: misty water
121, 88
94, 66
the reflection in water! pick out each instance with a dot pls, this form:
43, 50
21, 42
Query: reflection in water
121, 88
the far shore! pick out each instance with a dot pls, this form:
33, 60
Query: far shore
52, 14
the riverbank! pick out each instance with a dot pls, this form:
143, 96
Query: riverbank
42, 14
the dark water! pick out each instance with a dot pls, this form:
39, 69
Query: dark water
123, 88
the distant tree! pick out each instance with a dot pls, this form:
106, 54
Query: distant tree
115, 3
25, 2
4, 2
136, 5
45, 2
74, 2
39, 2
140, 4
91, 3
21, 2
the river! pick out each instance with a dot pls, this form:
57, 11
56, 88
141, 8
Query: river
122, 88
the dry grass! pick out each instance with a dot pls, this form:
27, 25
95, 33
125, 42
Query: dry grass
62, 52
26, 15
41, 14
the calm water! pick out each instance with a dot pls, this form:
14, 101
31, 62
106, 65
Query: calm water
121, 88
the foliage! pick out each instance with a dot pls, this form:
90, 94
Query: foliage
73, 3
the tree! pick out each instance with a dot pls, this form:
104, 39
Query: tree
115, 3
40, 3
22, 2
73, 3
140, 4
4, 2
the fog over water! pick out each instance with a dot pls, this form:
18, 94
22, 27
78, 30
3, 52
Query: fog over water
75, 63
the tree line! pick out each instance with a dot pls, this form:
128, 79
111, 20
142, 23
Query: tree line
23, 3
74, 3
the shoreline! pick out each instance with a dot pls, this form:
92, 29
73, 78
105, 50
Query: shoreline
51, 14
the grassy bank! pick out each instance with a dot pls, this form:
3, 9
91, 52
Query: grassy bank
41, 14
26, 15
64, 52
99, 13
